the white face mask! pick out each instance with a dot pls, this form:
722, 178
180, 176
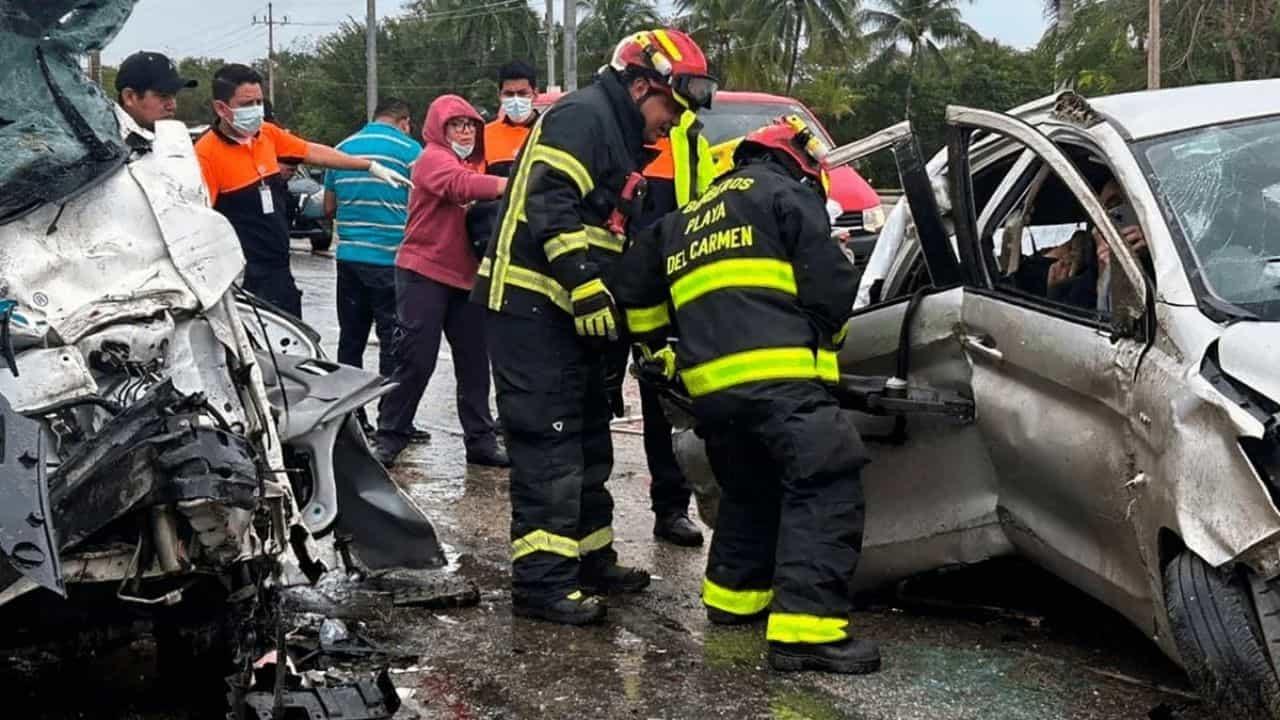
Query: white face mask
517, 108
247, 119
462, 151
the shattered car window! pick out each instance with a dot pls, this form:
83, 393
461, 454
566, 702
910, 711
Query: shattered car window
58, 132
1222, 186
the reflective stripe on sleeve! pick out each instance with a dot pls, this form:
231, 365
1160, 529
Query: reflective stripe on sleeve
762, 273
565, 243
643, 320
597, 540
543, 541
565, 163
599, 237
811, 629
737, 602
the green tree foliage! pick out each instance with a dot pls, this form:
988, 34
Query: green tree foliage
858, 65
923, 27
602, 24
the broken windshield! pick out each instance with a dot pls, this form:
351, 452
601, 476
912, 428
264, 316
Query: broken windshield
1221, 185
58, 131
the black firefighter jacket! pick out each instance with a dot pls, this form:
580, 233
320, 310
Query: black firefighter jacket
552, 236
760, 290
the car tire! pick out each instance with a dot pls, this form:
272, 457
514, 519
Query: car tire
1217, 631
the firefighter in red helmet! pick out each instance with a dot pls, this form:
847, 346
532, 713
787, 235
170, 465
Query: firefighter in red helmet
757, 294
553, 328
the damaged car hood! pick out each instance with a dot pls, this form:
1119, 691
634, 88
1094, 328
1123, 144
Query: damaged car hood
1248, 352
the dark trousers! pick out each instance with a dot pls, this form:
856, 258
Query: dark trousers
366, 299
275, 284
669, 490
424, 309
555, 415
791, 514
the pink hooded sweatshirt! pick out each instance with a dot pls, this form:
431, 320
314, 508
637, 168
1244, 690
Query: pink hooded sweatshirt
435, 237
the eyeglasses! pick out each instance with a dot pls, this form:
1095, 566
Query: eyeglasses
461, 125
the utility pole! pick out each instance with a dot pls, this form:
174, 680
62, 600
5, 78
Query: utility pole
271, 24
551, 42
1153, 46
371, 59
95, 67
570, 45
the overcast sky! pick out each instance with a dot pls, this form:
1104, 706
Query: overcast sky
225, 28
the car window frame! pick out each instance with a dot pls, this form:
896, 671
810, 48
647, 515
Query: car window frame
963, 124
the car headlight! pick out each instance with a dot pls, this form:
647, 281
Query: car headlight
873, 219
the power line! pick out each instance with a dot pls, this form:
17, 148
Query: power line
271, 23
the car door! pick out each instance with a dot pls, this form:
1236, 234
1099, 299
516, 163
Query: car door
1052, 382
931, 488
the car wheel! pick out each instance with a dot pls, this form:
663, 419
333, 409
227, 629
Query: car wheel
1217, 631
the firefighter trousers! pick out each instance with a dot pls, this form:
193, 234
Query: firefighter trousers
789, 531
555, 416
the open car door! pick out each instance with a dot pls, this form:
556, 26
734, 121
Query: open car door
930, 480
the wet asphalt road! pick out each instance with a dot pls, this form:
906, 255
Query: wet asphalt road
949, 653
1058, 656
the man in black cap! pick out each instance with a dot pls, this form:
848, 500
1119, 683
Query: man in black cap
147, 86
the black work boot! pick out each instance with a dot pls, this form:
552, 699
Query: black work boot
574, 609
848, 656
720, 617
677, 529
614, 579
489, 455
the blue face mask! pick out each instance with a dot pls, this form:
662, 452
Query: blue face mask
517, 108
248, 119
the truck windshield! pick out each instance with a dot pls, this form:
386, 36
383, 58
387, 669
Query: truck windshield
1221, 187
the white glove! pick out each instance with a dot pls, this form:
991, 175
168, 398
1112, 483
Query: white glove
388, 176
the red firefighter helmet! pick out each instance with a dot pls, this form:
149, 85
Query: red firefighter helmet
672, 57
791, 135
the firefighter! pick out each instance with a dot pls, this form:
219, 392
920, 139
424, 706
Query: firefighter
683, 170
552, 323
761, 294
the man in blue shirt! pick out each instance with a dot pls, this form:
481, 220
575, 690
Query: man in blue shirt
369, 227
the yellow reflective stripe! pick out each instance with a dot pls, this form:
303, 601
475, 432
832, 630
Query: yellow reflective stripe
670, 47
682, 161
541, 284
605, 240
597, 540
738, 602
565, 163
510, 221
751, 366
840, 337
543, 541
797, 628
739, 272
565, 243
828, 366
643, 320
575, 595
486, 267
587, 289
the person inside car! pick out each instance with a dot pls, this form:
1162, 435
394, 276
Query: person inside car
1089, 286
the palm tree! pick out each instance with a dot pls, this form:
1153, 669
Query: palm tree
607, 21
922, 25
799, 20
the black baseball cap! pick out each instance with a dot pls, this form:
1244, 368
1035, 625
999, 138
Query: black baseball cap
145, 71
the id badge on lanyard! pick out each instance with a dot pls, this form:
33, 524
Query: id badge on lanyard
268, 202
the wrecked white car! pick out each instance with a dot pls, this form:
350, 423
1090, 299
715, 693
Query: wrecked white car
167, 444
1099, 282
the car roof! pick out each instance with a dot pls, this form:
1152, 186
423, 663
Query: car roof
1149, 113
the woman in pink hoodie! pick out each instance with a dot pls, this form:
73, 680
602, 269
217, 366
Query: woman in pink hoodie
435, 269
